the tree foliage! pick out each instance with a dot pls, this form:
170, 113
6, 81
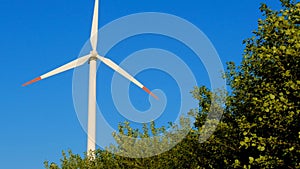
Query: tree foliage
265, 98
260, 124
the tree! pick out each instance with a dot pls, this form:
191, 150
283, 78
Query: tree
265, 98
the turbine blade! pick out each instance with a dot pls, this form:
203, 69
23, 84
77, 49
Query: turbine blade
75, 63
118, 69
94, 31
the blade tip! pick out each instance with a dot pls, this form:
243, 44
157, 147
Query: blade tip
32, 81
149, 92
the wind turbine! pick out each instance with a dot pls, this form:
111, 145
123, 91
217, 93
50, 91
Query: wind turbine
92, 58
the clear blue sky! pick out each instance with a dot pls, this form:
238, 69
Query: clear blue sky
39, 121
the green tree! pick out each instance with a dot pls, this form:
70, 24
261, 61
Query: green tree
265, 92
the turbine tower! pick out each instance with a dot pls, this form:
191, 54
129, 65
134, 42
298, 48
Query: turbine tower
92, 58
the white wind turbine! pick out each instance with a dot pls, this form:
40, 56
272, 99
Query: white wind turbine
92, 58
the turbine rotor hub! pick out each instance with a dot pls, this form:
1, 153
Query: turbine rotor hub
93, 55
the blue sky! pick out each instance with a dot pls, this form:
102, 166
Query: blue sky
39, 121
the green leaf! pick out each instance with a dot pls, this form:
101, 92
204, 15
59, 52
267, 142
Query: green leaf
272, 96
251, 160
261, 148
